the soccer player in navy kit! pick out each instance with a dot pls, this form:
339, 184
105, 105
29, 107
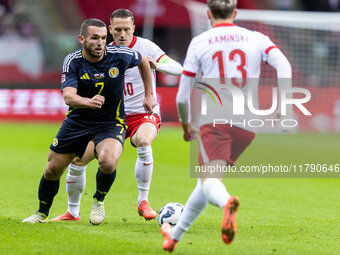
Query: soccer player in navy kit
142, 127
92, 85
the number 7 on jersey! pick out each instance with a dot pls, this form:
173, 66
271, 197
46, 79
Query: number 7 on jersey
101, 85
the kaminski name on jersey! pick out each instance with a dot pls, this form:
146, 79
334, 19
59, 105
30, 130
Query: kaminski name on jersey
230, 53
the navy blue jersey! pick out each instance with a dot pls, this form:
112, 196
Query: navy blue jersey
105, 78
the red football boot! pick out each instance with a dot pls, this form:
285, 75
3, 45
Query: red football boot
168, 244
146, 211
66, 217
229, 220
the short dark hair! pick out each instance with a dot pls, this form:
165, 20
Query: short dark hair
123, 14
222, 9
90, 22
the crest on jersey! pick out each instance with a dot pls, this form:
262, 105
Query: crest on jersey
113, 72
55, 142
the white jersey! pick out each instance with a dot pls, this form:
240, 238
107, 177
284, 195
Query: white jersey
133, 86
233, 54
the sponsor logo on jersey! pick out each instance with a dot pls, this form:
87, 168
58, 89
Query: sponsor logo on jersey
63, 78
55, 142
99, 76
85, 77
113, 72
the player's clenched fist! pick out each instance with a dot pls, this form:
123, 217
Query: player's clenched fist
96, 102
149, 103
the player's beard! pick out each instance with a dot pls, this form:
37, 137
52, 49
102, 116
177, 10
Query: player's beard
92, 52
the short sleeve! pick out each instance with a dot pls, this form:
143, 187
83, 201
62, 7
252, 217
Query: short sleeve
155, 51
191, 62
69, 76
135, 59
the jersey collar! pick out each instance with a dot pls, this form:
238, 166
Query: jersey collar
225, 25
133, 42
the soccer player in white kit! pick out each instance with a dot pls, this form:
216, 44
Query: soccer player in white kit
226, 51
142, 127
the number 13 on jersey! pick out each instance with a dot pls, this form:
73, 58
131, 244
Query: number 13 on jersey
232, 58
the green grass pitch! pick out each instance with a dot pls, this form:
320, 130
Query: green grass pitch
276, 216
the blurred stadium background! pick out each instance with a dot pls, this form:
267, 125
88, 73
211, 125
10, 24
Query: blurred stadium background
35, 36
279, 215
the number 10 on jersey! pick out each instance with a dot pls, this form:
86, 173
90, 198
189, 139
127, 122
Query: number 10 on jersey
128, 89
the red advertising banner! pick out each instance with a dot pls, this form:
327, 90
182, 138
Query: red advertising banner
48, 105
32, 104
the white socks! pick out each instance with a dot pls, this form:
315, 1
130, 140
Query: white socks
212, 191
215, 191
193, 208
75, 185
143, 171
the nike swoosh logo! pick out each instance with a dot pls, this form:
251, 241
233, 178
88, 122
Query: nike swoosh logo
70, 182
147, 164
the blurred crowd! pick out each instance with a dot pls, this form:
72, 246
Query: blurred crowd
321, 5
14, 21
301, 5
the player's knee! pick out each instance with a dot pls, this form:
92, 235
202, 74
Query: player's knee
53, 172
107, 165
144, 141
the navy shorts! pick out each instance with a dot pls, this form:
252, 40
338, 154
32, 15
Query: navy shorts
73, 136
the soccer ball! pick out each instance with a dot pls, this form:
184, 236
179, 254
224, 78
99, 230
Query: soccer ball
170, 213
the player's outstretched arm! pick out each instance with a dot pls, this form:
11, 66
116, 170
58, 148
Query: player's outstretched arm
149, 101
279, 61
75, 101
183, 105
283, 69
166, 65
